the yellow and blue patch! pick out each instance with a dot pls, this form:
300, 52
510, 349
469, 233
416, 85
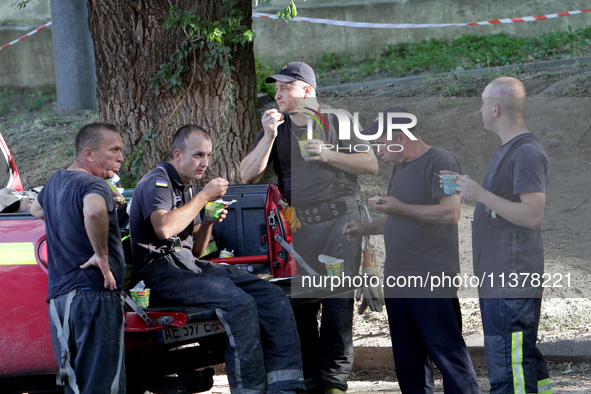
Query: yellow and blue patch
161, 183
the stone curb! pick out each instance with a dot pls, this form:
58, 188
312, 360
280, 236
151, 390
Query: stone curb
567, 350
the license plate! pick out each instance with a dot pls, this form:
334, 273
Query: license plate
188, 332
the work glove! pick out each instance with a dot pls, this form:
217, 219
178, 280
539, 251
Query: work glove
370, 296
292, 219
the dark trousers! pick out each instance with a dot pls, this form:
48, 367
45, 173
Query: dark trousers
327, 351
427, 331
513, 362
93, 360
263, 348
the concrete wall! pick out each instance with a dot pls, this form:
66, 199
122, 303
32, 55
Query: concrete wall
30, 62
280, 42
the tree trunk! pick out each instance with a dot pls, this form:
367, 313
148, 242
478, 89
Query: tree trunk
131, 43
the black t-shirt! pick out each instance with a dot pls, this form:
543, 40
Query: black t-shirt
414, 246
157, 190
68, 245
527, 171
305, 183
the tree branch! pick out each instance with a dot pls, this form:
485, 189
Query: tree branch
582, 134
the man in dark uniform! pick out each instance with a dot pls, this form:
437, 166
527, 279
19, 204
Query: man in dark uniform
421, 237
507, 242
86, 265
168, 235
323, 188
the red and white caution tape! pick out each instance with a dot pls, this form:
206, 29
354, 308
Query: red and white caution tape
422, 25
26, 35
377, 25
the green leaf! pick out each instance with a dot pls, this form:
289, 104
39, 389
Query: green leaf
250, 35
22, 4
211, 40
292, 10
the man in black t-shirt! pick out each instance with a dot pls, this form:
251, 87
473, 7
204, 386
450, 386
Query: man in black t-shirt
167, 236
507, 242
85, 264
323, 188
421, 238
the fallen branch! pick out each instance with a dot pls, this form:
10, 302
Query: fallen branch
578, 205
582, 134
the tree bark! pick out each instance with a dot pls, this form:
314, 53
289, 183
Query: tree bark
131, 43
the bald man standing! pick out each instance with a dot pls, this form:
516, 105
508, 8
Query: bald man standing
507, 242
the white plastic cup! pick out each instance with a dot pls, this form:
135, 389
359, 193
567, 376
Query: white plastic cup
334, 266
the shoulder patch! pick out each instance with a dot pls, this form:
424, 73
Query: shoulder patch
161, 183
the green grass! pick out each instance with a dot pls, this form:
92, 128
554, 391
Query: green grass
574, 320
577, 87
263, 70
32, 101
5, 101
456, 85
441, 56
36, 101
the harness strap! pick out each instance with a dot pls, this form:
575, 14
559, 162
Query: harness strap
175, 198
66, 372
530, 139
174, 243
504, 162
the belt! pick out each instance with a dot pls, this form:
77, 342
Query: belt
327, 210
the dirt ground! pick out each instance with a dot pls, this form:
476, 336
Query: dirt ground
447, 109
566, 378
559, 113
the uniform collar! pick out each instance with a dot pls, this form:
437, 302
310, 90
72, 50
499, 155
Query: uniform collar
173, 175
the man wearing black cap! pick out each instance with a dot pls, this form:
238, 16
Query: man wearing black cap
323, 189
421, 238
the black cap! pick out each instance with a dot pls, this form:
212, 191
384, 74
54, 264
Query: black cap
373, 129
294, 71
